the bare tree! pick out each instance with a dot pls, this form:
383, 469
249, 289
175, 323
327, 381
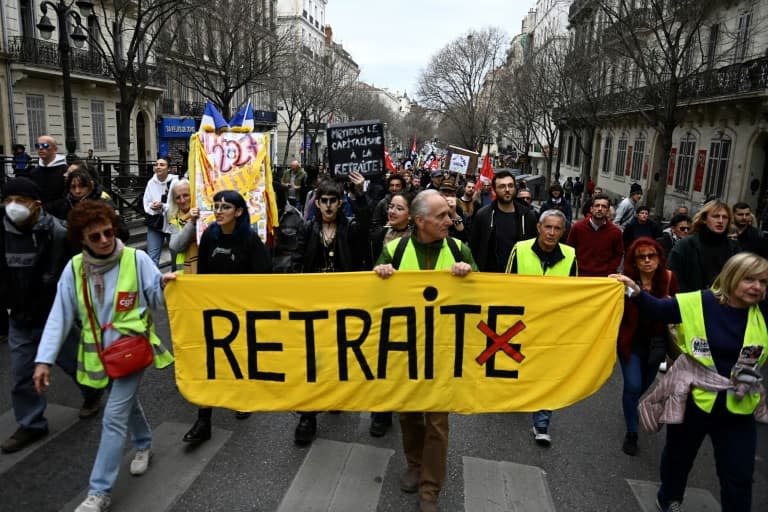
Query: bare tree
312, 89
124, 33
657, 48
226, 47
455, 82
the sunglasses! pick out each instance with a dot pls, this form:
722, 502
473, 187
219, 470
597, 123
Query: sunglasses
649, 256
328, 200
222, 207
42, 145
108, 234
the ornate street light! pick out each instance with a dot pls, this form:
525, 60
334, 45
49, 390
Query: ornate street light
64, 11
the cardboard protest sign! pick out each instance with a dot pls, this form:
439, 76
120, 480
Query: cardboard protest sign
356, 146
418, 341
461, 160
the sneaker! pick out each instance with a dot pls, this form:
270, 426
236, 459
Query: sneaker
541, 436
409, 481
672, 506
22, 438
95, 503
140, 462
663, 367
305, 430
199, 433
630, 444
91, 406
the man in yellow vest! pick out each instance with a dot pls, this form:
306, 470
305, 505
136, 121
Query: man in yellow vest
544, 256
425, 435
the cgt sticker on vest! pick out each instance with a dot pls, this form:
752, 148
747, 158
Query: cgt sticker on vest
700, 347
126, 301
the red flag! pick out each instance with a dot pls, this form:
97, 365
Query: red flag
388, 163
486, 173
413, 147
435, 163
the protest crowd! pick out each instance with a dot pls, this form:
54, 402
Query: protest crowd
73, 288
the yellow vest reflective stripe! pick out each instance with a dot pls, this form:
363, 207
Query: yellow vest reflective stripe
90, 371
692, 331
528, 263
410, 261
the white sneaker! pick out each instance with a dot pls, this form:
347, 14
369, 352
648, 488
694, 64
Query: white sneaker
541, 436
95, 503
140, 462
663, 367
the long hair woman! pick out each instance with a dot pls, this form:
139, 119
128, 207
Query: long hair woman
88, 292
641, 343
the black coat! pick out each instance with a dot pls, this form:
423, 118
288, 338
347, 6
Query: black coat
482, 239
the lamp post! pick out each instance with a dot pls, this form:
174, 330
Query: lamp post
64, 12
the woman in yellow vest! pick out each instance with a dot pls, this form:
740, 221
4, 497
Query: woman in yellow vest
123, 285
723, 329
181, 226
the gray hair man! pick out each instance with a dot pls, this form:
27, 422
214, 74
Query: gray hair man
544, 256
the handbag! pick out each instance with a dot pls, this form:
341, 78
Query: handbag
126, 355
157, 222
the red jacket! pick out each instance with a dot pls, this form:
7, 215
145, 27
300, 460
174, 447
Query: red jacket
598, 252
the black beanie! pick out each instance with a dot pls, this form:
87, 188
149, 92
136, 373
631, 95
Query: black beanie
22, 187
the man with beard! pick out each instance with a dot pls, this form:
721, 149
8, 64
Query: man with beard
497, 227
598, 242
747, 234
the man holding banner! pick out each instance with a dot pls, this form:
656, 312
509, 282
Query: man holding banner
425, 435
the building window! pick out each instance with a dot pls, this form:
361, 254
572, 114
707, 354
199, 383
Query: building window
717, 166
714, 36
638, 152
607, 147
35, 117
621, 157
577, 152
27, 19
98, 126
685, 160
742, 37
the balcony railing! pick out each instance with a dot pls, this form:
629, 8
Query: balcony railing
192, 108
167, 106
734, 79
46, 54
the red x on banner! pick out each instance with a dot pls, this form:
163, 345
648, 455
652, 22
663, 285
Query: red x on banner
500, 342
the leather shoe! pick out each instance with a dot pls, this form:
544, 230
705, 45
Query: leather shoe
22, 438
305, 430
199, 433
380, 423
409, 481
427, 506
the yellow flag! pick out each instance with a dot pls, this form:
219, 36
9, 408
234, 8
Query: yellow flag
418, 341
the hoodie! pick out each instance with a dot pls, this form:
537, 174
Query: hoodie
50, 179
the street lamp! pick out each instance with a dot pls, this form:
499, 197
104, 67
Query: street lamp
64, 11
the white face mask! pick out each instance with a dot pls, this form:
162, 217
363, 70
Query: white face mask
17, 212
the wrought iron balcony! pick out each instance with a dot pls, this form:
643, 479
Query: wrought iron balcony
28, 50
738, 78
167, 106
192, 108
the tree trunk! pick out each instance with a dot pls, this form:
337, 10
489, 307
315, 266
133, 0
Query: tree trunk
586, 171
127, 103
659, 188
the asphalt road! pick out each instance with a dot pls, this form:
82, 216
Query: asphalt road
253, 465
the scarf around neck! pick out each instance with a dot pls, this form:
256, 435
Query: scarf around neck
95, 267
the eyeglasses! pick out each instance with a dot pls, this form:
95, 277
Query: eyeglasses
650, 256
42, 145
684, 228
222, 207
328, 200
108, 234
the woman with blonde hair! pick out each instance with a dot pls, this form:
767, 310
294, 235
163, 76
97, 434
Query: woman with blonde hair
722, 334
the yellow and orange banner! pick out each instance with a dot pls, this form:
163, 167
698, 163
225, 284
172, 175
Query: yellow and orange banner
418, 341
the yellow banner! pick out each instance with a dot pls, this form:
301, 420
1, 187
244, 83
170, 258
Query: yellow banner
419, 341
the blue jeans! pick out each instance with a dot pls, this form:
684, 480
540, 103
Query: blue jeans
637, 378
123, 415
734, 441
28, 405
155, 240
542, 418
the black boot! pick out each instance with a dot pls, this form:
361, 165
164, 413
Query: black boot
199, 433
380, 423
305, 430
630, 444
